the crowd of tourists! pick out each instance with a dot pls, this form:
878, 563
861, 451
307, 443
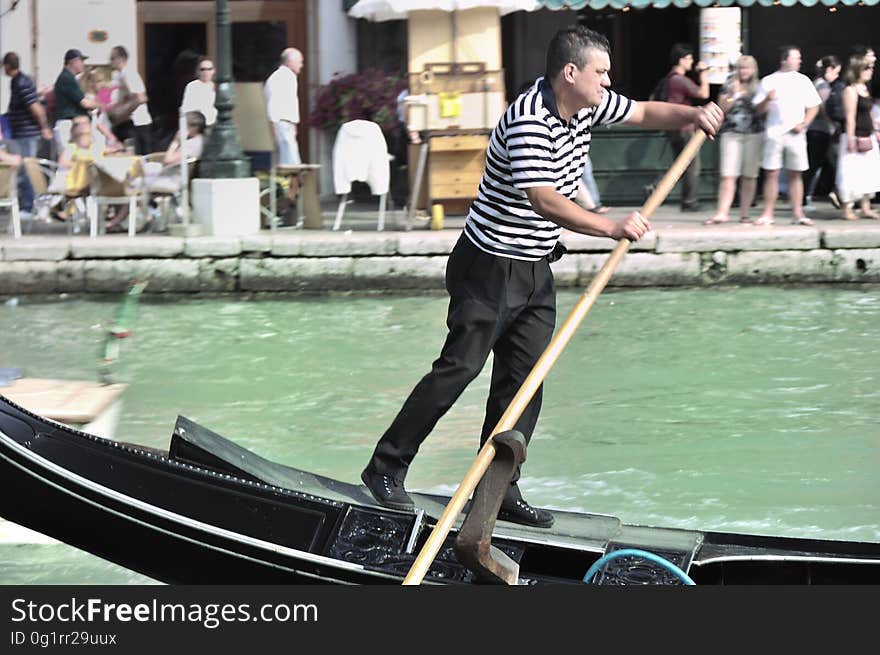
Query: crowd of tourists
823, 132
88, 115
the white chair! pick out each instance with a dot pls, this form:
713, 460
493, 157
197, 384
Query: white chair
9, 196
360, 154
165, 184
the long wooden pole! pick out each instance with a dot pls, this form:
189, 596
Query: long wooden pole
542, 367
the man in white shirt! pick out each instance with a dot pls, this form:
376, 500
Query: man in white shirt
792, 103
282, 106
128, 113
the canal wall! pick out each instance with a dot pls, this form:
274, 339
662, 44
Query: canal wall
306, 261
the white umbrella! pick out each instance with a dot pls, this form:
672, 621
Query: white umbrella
380, 10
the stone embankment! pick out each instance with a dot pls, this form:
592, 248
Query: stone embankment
306, 261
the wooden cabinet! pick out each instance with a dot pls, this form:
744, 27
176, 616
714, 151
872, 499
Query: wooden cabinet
454, 164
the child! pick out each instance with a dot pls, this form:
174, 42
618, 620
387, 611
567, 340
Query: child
72, 177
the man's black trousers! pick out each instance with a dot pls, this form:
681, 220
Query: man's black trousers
496, 304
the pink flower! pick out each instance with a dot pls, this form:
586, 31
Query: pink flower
369, 95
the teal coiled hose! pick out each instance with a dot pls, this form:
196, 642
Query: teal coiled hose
644, 554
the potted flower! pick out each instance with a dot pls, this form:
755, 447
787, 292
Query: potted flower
369, 95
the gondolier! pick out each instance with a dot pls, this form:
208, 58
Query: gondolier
502, 295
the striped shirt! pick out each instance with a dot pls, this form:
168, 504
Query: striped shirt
533, 147
23, 94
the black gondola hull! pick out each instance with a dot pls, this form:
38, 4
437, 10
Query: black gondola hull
210, 512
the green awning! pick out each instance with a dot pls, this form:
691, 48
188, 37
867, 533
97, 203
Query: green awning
660, 4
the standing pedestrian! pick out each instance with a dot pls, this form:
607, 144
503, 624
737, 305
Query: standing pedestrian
589, 190
200, 93
129, 114
681, 89
820, 134
792, 104
69, 99
27, 121
282, 105
502, 295
742, 136
858, 171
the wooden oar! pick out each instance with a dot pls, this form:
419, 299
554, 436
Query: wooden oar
542, 367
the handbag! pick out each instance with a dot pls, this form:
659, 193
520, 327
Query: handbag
126, 102
864, 144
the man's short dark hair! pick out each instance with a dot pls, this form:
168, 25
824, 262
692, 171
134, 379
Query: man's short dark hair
784, 50
678, 52
121, 51
571, 45
11, 59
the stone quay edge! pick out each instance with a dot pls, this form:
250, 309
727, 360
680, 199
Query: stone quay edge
303, 261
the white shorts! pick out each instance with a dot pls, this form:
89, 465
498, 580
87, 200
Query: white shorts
62, 133
741, 154
789, 150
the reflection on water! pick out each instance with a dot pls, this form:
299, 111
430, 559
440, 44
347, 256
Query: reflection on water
751, 409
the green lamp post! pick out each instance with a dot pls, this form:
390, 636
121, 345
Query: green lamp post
223, 157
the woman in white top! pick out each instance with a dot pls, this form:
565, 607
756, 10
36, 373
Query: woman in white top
200, 93
165, 177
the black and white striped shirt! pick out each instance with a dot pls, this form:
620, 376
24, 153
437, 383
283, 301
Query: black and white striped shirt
530, 147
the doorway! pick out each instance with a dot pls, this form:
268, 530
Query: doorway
173, 50
172, 34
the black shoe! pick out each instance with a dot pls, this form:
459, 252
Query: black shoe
647, 190
387, 490
693, 207
516, 510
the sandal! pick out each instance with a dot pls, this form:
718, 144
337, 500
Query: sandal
803, 220
601, 209
746, 219
715, 220
763, 220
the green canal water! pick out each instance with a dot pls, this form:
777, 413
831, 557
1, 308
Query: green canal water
734, 409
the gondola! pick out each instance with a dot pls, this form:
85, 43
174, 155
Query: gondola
208, 511
92, 406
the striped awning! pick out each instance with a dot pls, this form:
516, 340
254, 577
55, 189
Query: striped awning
660, 4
